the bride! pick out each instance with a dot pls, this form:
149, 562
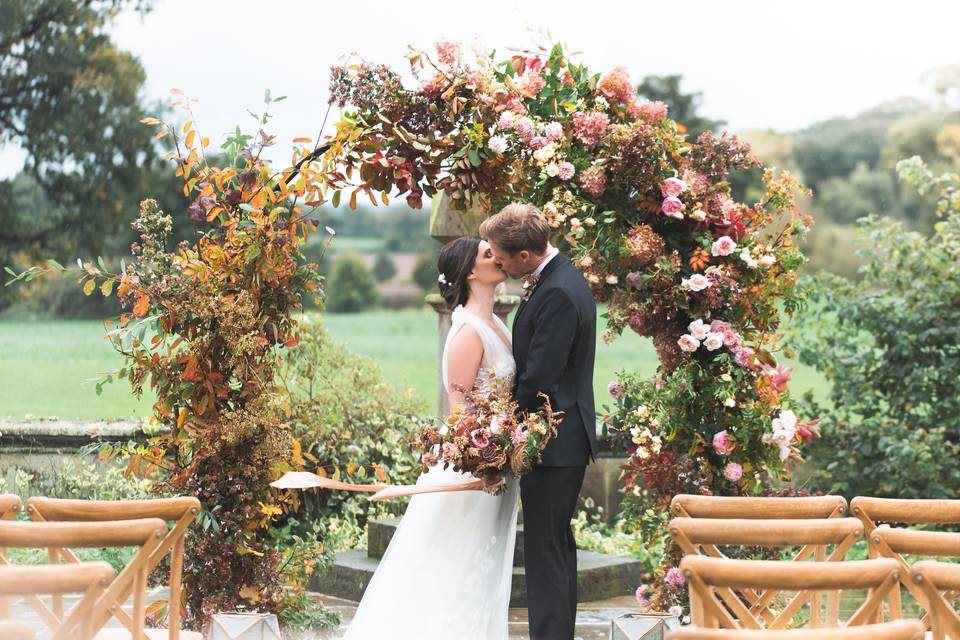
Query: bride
447, 571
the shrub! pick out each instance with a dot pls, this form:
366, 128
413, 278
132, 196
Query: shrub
351, 287
384, 268
890, 344
344, 411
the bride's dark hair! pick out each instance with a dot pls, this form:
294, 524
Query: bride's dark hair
455, 265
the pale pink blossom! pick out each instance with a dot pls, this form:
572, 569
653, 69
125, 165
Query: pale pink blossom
538, 142
594, 180
506, 120
530, 84
722, 443
553, 131
713, 341
671, 206
518, 435
480, 438
448, 52
428, 459
497, 144
524, 128
674, 577
565, 170
641, 595
589, 127
723, 246
698, 329
651, 111
676, 611
733, 472
688, 343
779, 376
743, 357
672, 187
615, 389
450, 451
696, 282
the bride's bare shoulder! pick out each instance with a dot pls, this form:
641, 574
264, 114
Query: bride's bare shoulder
466, 339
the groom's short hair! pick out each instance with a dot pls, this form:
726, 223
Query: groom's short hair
517, 227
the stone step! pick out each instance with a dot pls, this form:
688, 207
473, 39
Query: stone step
380, 533
599, 577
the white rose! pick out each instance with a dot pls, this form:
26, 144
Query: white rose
730, 402
768, 260
552, 169
696, 282
699, 215
713, 341
589, 222
611, 279
586, 261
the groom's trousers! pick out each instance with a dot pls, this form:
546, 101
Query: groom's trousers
549, 498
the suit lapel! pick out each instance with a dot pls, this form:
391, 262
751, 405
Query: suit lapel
547, 270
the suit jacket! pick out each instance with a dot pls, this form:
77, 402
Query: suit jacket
554, 342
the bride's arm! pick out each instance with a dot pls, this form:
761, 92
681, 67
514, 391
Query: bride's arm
464, 354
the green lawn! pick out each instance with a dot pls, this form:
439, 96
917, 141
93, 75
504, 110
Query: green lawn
43, 364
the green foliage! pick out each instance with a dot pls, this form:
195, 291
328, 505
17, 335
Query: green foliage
383, 268
352, 425
864, 192
890, 344
351, 287
425, 273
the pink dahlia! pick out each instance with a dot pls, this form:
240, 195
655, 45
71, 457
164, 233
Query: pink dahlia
589, 127
743, 357
428, 459
519, 436
450, 451
506, 120
524, 128
641, 595
722, 443
733, 472
565, 170
615, 389
538, 142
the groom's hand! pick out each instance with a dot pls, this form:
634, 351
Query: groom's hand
554, 330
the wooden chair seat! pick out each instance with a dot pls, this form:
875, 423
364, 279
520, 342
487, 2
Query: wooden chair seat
897, 630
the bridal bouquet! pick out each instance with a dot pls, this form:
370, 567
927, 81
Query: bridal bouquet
491, 437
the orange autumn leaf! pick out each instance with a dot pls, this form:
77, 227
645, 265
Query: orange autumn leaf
142, 305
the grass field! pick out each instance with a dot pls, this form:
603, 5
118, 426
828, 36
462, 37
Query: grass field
43, 364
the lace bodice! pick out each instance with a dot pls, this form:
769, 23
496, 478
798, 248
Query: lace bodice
497, 351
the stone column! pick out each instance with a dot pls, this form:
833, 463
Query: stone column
502, 306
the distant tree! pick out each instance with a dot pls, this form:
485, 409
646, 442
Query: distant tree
684, 107
864, 192
351, 287
425, 272
383, 267
71, 100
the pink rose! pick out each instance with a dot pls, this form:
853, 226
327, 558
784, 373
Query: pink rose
615, 389
480, 438
428, 459
722, 443
518, 435
743, 357
733, 472
674, 577
698, 329
672, 187
688, 343
723, 246
671, 206
696, 282
450, 451
565, 170
713, 341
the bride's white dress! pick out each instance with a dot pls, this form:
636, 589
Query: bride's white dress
447, 571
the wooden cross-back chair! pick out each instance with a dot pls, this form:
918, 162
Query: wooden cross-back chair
894, 542
144, 535
896, 630
181, 511
702, 536
88, 578
705, 576
939, 580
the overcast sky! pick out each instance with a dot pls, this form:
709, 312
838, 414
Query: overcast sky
760, 63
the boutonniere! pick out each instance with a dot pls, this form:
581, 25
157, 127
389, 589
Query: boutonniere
529, 284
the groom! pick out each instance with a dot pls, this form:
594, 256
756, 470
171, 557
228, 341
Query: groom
554, 338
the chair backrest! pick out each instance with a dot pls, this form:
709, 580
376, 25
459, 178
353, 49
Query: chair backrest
89, 578
893, 543
705, 536
143, 534
9, 508
181, 511
705, 575
897, 630
940, 583
748, 508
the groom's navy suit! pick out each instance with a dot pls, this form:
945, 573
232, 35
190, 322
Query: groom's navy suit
554, 340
